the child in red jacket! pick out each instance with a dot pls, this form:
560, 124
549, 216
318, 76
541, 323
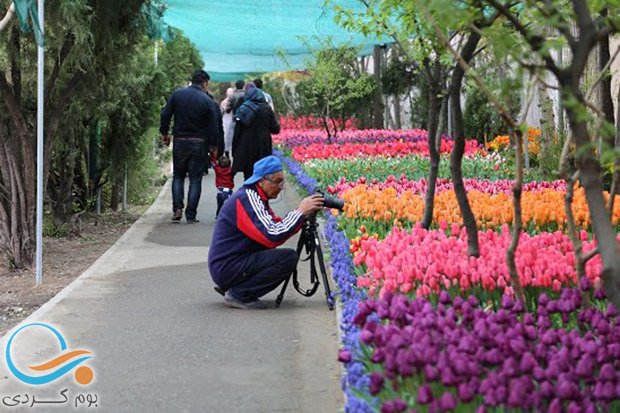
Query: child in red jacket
223, 181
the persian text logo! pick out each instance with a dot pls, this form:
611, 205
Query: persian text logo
83, 374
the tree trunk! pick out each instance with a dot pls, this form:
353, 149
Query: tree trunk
378, 112
548, 135
590, 172
580, 263
616, 177
435, 82
60, 186
518, 219
607, 105
18, 176
456, 157
115, 197
397, 119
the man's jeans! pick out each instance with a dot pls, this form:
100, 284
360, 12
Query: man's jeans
189, 157
264, 271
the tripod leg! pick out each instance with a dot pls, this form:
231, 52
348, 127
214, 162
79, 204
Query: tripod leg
281, 295
328, 293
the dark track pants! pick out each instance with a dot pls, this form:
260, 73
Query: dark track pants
264, 271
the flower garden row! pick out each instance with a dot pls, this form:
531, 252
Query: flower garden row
427, 328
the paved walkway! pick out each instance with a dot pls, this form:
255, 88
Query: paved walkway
162, 339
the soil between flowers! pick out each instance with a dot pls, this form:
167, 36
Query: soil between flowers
64, 259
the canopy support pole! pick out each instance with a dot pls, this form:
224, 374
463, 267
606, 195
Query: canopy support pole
40, 106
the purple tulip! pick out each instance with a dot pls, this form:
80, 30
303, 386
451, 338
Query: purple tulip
599, 294
607, 373
585, 284
447, 377
611, 311
573, 407
387, 407
566, 389
444, 297
543, 300
547, 390
344, 355
528, 363
609, 390
507, 302
555, 406
399, 405
376, 383
431, 373
585, 367
447, 402
366, 336
425, 395
465, 393
378, 356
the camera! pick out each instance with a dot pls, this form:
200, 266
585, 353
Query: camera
332, 202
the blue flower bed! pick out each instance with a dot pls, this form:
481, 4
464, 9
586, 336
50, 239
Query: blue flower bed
354, 381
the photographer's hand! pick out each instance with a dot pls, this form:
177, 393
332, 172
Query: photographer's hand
311, 204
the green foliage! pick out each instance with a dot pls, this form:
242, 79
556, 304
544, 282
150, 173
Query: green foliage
51, 230
398, 77
178, 58
480, 117
337, 86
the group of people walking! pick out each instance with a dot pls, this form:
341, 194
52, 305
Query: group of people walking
236, 131
244, 262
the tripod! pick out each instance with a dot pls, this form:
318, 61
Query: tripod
309, 239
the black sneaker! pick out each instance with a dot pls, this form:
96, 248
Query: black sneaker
192, 221
178, 214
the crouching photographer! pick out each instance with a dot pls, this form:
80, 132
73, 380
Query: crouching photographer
243, 259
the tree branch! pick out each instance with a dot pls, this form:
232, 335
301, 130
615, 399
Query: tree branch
534, 41
589, 255
67, 45
7, 17
563, 27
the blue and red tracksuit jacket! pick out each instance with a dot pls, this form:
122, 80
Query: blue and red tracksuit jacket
246, 225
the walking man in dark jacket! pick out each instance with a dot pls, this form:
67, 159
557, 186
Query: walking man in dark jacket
195, 131
243, 258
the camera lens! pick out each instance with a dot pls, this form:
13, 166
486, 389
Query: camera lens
331, 202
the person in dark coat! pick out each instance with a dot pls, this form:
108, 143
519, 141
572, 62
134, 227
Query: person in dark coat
255, 122
195, 130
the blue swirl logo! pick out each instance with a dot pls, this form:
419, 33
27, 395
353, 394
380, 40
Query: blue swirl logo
83, 374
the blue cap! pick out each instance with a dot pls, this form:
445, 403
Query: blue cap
269, 165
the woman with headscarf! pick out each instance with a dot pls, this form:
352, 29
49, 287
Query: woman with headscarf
228, 121
254, 124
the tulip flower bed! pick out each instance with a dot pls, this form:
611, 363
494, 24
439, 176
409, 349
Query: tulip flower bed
457, 355
418, 187
303, 123
377, 169
295, 138
426, 328
541, 210
381, 149
501, 143
421, 262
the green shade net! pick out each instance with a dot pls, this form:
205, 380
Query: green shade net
25, 9
240, 37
